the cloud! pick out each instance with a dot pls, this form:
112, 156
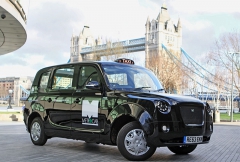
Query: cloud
204, 6
12, 59
196, 26
198, 42
50, 25
49, 30
14, 70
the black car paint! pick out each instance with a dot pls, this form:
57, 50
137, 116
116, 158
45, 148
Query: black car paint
116, 109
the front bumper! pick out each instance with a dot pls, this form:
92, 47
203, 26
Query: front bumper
175, 137
170, 129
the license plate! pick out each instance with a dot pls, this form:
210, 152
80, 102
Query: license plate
192, 139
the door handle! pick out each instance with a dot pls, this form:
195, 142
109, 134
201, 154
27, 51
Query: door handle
77, 100
49, 100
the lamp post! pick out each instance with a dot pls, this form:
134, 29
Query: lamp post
231, 116
10, 91
232, 93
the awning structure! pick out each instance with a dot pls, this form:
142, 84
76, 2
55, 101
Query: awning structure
12, 26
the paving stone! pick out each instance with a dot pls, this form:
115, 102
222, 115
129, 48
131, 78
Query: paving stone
16, 146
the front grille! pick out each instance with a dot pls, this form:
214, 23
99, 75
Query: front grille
192, 114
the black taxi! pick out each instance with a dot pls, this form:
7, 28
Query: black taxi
114, 103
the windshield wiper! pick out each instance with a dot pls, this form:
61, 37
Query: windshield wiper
159, 90
140, 88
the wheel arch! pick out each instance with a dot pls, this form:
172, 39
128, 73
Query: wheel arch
128, 112
31, 117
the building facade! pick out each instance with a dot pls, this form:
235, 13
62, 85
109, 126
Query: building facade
85, 39
5, 85
19, 85
162, 31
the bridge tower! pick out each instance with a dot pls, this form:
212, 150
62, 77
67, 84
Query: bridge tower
162, 30
85, 39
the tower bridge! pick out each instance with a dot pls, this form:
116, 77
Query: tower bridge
157, 31
161, 36
133, 45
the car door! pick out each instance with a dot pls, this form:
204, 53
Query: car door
36, 99
59, 99
88, 114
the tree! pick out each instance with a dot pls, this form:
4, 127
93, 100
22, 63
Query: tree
109, 51
170, 73
225, 58
224, 55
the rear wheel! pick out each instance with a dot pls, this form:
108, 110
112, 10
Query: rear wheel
132, 144
37, 134
184, 149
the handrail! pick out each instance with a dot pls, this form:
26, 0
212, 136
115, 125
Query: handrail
126, 44
18, 6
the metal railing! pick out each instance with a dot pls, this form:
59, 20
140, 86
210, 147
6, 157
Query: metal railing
18, 6
130, 45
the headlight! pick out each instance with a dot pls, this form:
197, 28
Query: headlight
208, 108
163, 106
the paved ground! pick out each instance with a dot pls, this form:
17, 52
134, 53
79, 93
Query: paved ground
15, 145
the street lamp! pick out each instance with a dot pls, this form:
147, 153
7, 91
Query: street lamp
10, 91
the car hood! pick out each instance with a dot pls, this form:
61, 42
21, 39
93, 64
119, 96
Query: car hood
155, 95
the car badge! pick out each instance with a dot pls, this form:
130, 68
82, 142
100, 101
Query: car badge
192, 110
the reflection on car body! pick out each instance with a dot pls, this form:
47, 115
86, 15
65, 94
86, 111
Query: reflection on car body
114, 103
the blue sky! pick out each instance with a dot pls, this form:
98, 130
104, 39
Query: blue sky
51, 24
221, 22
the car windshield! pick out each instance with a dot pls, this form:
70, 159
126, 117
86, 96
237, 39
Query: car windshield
130, 78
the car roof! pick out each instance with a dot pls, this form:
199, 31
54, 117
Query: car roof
39, 73
92, 62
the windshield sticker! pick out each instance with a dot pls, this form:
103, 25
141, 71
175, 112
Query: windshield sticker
90, 112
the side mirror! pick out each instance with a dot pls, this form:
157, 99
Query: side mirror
93, 85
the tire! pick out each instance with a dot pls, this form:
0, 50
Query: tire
132, 134
181, 150
37, 133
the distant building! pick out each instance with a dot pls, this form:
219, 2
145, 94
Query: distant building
5, 85
19, 85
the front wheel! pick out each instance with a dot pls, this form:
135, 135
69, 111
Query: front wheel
37, 133
132, 144
184, 149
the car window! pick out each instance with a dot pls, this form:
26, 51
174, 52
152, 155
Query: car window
87, 74
62, 78
44, 81
119, 80
142, 80
127, 77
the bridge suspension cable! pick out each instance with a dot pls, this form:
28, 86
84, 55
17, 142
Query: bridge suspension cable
197, 72
24, 90
194, 63
177, 61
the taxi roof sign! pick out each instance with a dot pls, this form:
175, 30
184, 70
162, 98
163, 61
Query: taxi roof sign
125, 61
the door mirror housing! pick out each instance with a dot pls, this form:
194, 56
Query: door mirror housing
93, 85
